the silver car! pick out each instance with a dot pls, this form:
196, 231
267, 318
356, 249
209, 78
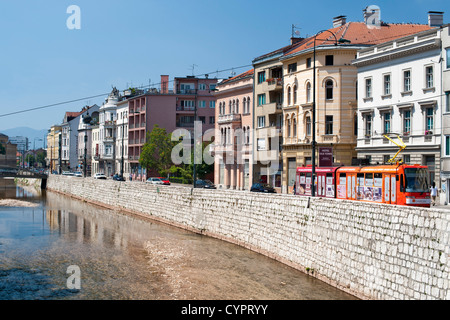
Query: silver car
155, 181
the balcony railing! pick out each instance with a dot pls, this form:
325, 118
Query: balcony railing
185, 124
273, 84
181, 108
227, 118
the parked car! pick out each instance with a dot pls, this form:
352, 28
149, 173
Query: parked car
155, 181
99, 176
118, 177
262, 187
207, 184
165, 180
78, 174
67, 173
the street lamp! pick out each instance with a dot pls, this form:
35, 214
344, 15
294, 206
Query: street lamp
313, 143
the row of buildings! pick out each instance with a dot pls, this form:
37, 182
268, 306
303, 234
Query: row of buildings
345, 89
359, 86
109, 138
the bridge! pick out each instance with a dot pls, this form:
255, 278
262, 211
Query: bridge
7, 172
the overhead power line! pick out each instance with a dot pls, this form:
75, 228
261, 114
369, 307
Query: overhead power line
102, 95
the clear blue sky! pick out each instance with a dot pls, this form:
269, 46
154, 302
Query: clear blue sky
123, 43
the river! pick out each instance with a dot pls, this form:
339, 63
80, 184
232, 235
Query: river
119, 257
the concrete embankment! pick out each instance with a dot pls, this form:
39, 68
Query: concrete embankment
368, 250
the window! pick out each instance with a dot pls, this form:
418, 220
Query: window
212, 87
407, 122
288, 127
329, 90
211, 120
261, 76
368, 128
447, 145
328, 124
407, 80
447, 51
308, 126
289, 96
261, 144
202, 86
429, 77
308, 92
295, 94
202, 104
429, 120
212, 104
329, 60
261, 122
386, 158
387, 84
261, 99
308, 63
294, 125
368, 88
447, 101
202, 119
406, 158
292, 67
387, 122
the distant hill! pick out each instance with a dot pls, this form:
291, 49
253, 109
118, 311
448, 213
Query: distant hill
30, 133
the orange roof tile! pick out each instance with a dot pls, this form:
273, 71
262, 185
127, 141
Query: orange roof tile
239, 76
358, 33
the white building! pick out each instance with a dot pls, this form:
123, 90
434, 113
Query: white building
445, 102
399, 89
107, 127
122, 138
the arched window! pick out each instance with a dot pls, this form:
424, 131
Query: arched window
248, 134
229, 107
308, 92
237, 105
295, 94
294, 127
288, 122
244, 105
329, 90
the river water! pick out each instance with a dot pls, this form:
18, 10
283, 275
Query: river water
120, 257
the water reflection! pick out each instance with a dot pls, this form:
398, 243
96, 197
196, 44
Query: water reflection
124, 257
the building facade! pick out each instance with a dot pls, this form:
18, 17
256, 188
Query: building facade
333, 98
54, 149
122, 166
445, 103
233, 132
191, 98
399, 97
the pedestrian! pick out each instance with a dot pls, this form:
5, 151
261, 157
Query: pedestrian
131, 177
433, 193
294, 190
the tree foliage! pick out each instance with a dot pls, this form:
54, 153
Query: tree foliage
156, 152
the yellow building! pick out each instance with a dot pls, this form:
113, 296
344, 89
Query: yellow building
53, 148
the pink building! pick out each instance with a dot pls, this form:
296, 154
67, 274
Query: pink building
169, 109
233, 148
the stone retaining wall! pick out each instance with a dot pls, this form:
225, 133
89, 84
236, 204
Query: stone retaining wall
368, 250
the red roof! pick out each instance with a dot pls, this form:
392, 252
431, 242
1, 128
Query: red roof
239, 76
360, 34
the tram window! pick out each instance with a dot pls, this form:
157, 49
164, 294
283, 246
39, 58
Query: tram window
360, 177
378, 180
402, 184
369, 180
342, 178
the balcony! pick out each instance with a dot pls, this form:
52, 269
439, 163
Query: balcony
108, 139
273, 84
187, 91
109, 123
229, 118
181, 108
272, 108
185, 124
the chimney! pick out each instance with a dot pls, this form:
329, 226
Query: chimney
435, 18
295, 40
164, 84
339, 21
372, 16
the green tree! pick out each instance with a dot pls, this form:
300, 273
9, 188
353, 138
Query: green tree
157, 150
2, 149
40, 158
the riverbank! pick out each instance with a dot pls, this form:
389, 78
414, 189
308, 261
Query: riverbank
370, 251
